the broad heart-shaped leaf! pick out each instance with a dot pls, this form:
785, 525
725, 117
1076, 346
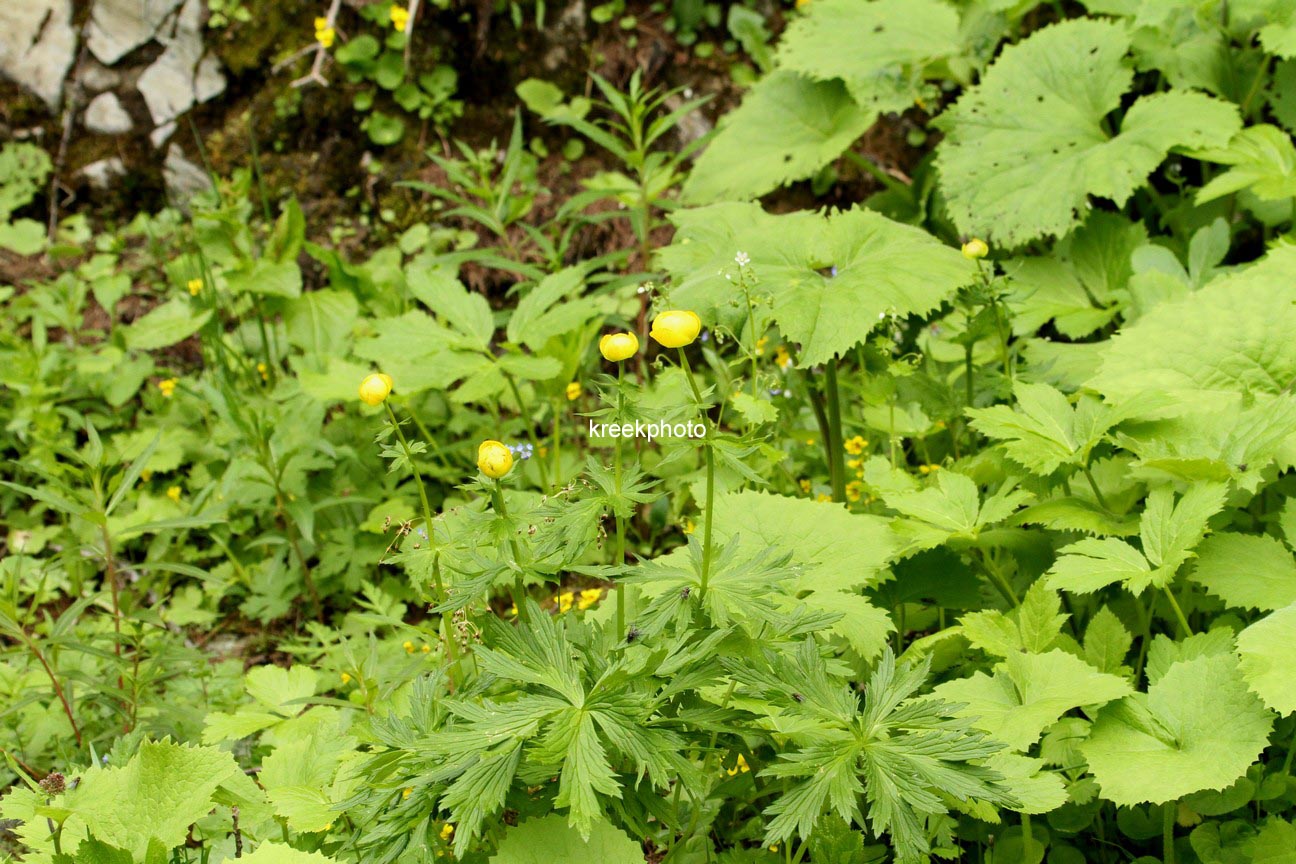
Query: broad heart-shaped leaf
1028, 693
157, 795
1232, 336
787, 128
1247, 570
1268, 652
1196, 728
1025, 148
882, 268
878, 48
550, 840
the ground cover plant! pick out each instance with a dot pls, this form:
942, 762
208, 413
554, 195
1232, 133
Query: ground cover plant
759, 498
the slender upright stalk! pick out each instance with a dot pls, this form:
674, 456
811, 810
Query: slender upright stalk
710, 472
519, 587
620, 520
1167, 831
530, 430
423, 499
1179, 615
835, 444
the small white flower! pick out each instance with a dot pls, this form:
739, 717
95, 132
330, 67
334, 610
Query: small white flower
742, 259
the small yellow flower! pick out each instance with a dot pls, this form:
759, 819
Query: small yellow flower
855, 445
782, 357
494, 459
264, 370
760, 346
854, 464
619, 346
928, 469
399, 18
168, 386
810, 442
676, 328
573, 393
689, 526
740, 766
409, 790
805, 485
854, 490
346, 677
565, 600
823, 496
975, 249
447, 831
325, 37
426, 649
194, 286
588, 598
174, 494
375, 388
408, 646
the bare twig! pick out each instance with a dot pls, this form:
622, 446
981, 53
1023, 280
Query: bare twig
316, 74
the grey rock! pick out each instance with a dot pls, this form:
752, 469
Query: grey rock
118, 27
181, 76
210, 80
159, 135
183, 178
96, 78
37, 45
106, 115
103, 172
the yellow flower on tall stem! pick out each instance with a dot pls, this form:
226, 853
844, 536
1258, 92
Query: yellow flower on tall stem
619, 346
676, 328
494, 459
375, 388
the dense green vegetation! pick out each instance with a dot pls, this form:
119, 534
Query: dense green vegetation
980, 547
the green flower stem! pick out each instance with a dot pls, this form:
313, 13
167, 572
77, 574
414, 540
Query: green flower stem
519, 587
1179, 615
836, 463
1167, 832
710, 473
423, 499
1028, 838
1093, 484
530, 430
557, 443
620, 520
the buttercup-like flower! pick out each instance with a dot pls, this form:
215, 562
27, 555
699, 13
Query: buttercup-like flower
565, 600
194, 286
399, 18
619, 346
324, 34
588, 598
573, 391
975, 248
167, 386
375, 388
447, 831
855, 445
174, 494
494, 459
676, 328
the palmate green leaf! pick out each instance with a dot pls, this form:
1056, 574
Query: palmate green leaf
1196, 728
951, 508
1035, 626
1261, 159
787, 128
1043, 431
1169, 532
881, 267
1028, 693
1026, 147
878, 48
549, 840
157, 795
1247, 570
1268, 655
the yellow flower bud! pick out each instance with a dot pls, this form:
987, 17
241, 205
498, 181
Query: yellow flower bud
375, 389
975, 249
676, 328
494, 459
619, 346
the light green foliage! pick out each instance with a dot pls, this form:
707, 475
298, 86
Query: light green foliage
831, 278
1253, 571
1261, 159
1043, 431
540, 841
1196, 728
1026, 147
1268, 653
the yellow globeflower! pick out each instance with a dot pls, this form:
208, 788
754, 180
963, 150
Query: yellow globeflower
494, 459
975, 248
573, 393
375, 388
676, 328
399, 18
619, 346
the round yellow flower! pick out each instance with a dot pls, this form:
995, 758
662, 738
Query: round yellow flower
194, 286
399, 17
325, 37
676, 328
975, 248
375, 388
174, 494
494, 459
619, 346
573, 393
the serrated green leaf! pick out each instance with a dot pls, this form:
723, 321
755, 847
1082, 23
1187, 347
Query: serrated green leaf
1262, 160
1247, 570
1268, 655
549, 840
